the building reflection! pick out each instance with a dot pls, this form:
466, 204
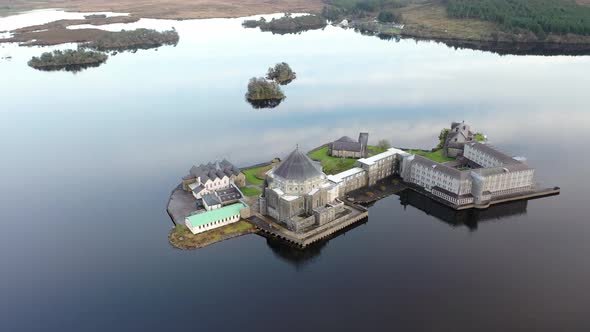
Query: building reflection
300, 257
469, 218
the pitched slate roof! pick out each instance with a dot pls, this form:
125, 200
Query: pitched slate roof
450, 171
211, 199
345, 139
346, 146
229, 194
297, 166
492, 151
213, 171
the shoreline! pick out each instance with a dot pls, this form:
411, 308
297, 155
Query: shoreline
480, 37
182, 204
185, 240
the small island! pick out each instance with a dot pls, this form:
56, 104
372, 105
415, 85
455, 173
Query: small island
281, 73
69, 60
263, 93
288, 24
133, 40
308, 197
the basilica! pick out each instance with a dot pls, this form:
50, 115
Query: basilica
298, 195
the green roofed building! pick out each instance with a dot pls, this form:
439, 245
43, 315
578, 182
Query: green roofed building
208, 220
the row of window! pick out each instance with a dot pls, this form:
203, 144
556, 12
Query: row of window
218, 222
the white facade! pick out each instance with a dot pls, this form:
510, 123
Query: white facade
480, 157
428, 177
380, 165
349, 180
211, 225
500, 175
218, 183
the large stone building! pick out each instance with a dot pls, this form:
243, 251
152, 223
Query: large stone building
346, 147
368, 171
482, 175
207, 178
459, 134
299, 195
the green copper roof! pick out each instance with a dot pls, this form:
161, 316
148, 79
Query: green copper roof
214, 215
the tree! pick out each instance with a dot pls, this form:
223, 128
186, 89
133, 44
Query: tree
281, 73
442, 137
261, 89
383, 144
389, 16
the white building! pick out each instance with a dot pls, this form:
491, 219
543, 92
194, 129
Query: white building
208, 220
486, 175
381, 165
207, 178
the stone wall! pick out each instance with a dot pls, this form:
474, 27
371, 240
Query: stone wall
300, 224
323, 216
290, 208
345, 154
245, 212
240, 180
186, 182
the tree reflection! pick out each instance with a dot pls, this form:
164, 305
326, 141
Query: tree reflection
265, 103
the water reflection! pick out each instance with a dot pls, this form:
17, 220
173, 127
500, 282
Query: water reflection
469, 218
508, 48
70, 68
265, 103
299, 257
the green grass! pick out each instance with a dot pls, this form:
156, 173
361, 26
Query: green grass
431, 20
332, 165
392, 31
479, 137
434, 156
181, 237
250, 191
255, 175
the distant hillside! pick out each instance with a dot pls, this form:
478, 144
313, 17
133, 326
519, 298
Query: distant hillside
539, 16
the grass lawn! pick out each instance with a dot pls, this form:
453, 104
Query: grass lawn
432, 20
434, 156
250, 191
256, 175
181, 237
332, 165
392, 31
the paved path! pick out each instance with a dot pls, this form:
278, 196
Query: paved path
181, 205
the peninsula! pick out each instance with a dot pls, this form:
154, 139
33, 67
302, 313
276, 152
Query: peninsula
516, 27
288, 24
299, 203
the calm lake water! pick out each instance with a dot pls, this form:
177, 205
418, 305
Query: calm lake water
88, 161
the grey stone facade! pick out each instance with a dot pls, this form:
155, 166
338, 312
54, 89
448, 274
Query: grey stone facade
298, 194
459, 135
346, 147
